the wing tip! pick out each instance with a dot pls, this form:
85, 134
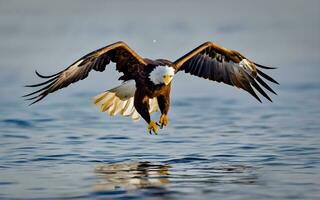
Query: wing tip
41, 76
269, 78
257, 98
37, 99
265, 67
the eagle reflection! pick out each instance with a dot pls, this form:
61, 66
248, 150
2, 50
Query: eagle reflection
131, 176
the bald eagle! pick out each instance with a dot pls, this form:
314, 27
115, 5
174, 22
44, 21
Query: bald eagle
146, 83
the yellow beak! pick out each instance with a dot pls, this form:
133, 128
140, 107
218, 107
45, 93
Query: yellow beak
166, 79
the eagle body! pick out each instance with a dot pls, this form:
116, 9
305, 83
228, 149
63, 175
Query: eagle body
148, 93
147, 83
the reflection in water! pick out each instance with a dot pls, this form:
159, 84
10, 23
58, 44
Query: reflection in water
145, 175
131, 176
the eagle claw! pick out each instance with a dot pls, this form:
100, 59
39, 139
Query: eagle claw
163, 120
153, 127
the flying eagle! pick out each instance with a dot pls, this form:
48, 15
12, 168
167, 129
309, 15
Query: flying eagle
146, 83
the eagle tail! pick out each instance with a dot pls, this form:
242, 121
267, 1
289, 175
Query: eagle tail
120, 100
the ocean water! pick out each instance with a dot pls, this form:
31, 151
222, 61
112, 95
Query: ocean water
220, 143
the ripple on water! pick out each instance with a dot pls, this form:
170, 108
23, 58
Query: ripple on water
62, 155
17, 123
113, 137
44, 159
7, 183
15, 136
173, 141
43, 120
186, 160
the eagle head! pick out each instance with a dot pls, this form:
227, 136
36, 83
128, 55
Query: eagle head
161, 75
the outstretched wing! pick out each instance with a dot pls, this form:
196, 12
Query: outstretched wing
214, 62
125, 58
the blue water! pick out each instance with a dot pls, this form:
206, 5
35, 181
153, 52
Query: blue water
220, 143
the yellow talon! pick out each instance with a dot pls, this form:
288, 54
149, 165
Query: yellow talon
163, 120
152, 127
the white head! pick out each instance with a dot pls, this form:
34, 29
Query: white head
162, 74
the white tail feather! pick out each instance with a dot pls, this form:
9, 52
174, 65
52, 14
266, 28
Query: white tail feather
120, 100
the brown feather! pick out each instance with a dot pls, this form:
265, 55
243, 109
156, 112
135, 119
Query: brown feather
127, 61
217, 63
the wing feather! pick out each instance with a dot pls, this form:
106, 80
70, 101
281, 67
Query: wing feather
126, 59
214, 62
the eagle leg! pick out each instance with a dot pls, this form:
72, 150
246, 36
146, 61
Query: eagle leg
164, 104
141, 103
153, 127
163, 120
